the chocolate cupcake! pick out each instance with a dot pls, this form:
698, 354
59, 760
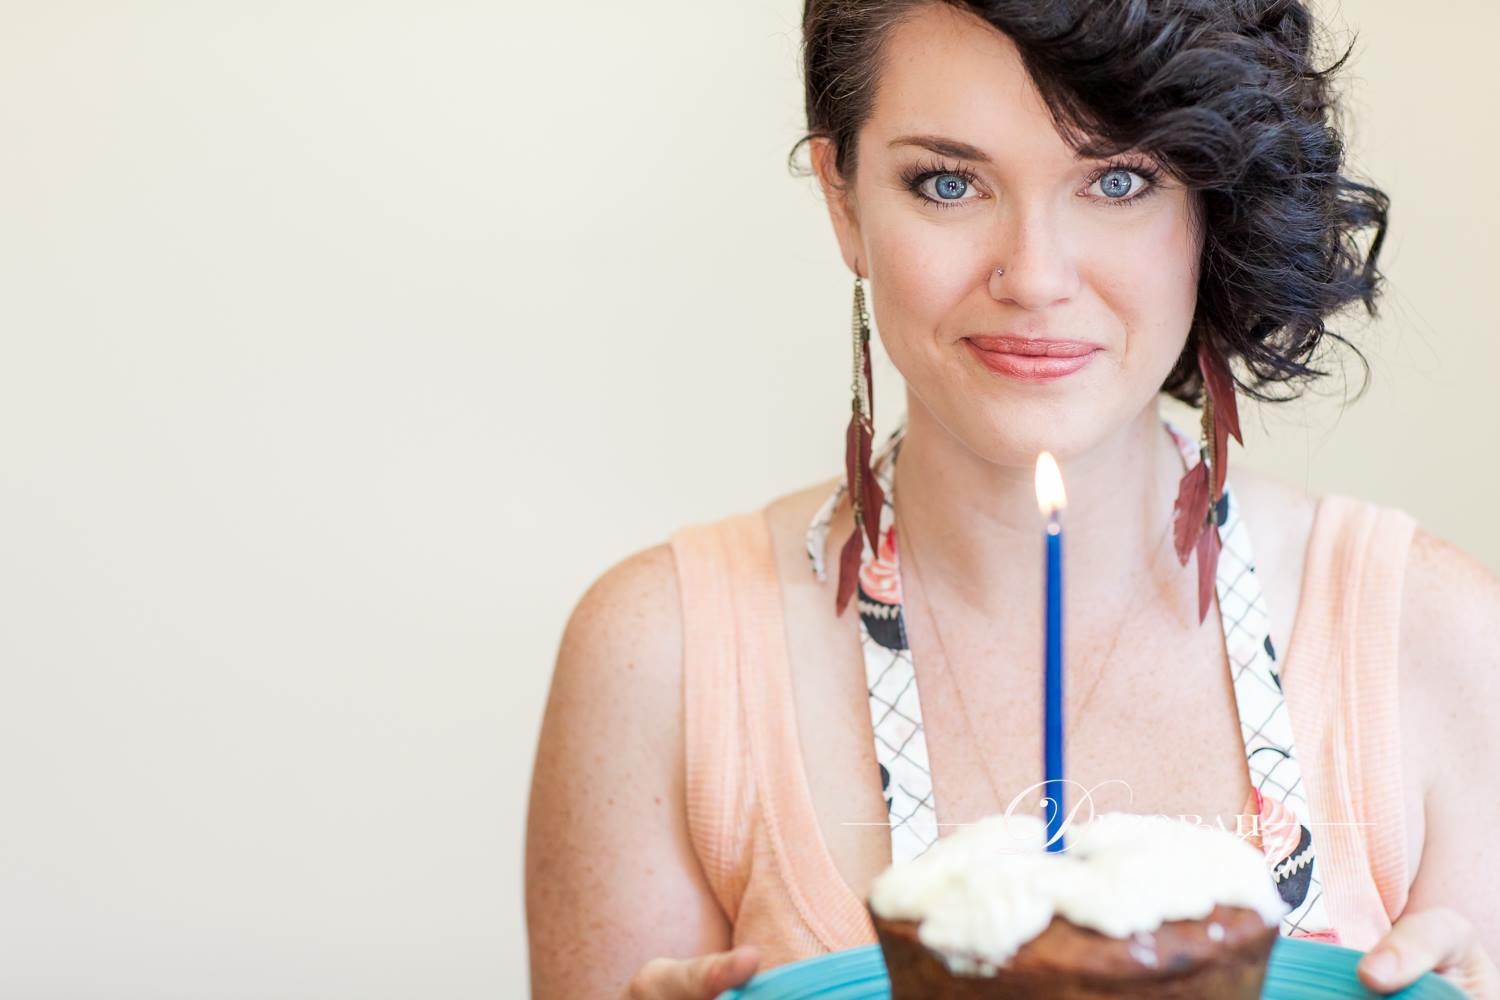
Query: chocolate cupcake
1137, 906
1222, 955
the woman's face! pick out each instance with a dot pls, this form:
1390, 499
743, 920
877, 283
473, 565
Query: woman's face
1092, 253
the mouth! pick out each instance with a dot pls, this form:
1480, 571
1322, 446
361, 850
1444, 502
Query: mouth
1031, 360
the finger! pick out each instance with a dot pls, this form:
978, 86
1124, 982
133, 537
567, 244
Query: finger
727, 970
1434, 939
701, 978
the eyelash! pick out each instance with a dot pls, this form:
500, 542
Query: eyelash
914, 177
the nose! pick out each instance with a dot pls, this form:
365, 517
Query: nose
1037, 260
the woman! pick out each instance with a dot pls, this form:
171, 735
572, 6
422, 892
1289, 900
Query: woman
1062, 211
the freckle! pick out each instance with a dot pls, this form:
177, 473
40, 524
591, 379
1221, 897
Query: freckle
657, 798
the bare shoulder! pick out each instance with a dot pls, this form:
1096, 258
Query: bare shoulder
1281, 517
788, 517
621, 653
611, 877
632, 610
1450, 598
1272, 500
622, 645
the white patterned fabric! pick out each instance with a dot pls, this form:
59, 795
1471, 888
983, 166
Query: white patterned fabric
896, 714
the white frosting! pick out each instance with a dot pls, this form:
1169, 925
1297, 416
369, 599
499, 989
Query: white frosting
984, 890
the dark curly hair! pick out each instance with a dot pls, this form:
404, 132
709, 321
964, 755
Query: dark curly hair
1224, 94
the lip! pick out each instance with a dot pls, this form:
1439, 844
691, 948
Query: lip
1031, 360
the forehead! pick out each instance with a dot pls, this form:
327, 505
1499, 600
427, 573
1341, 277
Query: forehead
947, 72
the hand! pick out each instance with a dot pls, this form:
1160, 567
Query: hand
701, 978
1436, 939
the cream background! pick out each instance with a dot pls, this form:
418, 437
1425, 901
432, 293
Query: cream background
343, 344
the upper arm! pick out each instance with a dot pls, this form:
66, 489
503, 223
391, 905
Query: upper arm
1450, 692
611, 877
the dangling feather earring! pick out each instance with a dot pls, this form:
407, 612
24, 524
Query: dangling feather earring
1195, 523
863, 489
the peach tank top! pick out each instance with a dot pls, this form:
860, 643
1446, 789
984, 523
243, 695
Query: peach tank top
1320, 725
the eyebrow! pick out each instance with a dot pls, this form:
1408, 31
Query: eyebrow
943, 146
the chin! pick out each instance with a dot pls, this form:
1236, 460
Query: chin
1008, 423
1014, 434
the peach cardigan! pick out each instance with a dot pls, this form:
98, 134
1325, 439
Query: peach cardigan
750, 812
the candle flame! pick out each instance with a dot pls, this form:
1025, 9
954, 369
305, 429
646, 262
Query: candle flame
1049, 485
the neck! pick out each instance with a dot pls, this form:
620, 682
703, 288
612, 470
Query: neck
979, 534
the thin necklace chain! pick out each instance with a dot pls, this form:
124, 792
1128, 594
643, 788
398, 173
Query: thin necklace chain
904, 547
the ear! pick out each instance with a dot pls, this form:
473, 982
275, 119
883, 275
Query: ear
843, 210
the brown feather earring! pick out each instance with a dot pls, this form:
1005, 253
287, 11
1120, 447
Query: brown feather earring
863, 489
1196, 512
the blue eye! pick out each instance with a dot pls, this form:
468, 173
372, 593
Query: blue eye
1115, 182
952, 183
951, 187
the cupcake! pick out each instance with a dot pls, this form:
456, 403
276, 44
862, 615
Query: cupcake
1288, 844
880, 593
1135, 906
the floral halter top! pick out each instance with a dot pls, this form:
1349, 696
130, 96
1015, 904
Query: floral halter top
896, 715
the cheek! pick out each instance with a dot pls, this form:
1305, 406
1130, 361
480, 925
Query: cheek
1146, 277
925, 269
924, 274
